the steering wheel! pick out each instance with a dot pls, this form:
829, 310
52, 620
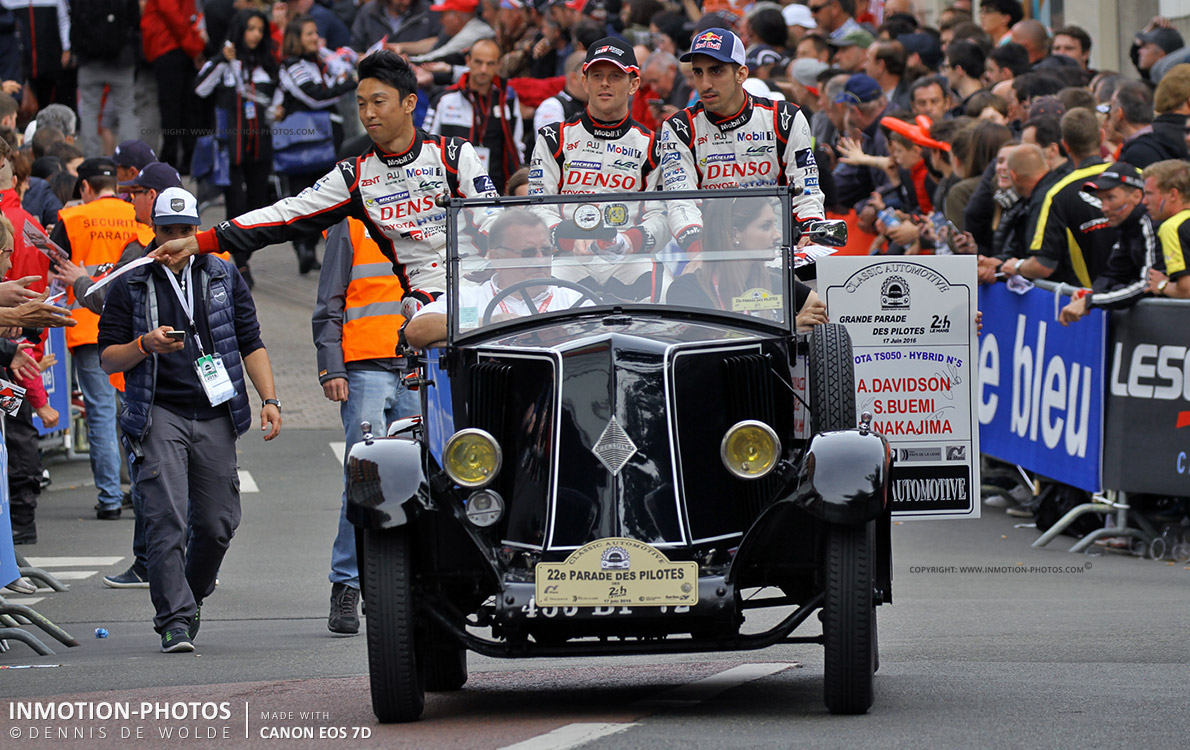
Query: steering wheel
523, 287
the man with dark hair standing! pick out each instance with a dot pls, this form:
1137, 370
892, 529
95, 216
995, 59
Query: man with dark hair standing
95, 234
963, 69
392, 189
1073, 42
1005, 63
483, 110
930, 96
713, 143
886, 64
1131, 117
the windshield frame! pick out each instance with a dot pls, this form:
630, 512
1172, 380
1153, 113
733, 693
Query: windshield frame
456, 206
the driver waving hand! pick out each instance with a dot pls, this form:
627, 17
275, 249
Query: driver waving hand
730, 138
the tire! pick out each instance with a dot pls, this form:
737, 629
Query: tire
832, 379
445, 660
848, 621
396, 674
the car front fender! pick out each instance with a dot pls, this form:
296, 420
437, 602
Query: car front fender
843, 477
383, 476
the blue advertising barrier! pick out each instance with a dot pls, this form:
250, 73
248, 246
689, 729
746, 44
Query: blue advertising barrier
1040, 397
9, 571
56, 379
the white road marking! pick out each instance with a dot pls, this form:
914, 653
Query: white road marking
72, 562
571, 735
247, 483
28, 601
574, 735
340, 450
74, 575
709, 687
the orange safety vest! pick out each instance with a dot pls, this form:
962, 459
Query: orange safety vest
98, 232
372, 311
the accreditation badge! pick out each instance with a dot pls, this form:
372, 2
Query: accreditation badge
215, 381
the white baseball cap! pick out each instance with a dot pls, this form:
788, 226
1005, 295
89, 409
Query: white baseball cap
799, 15
175, 206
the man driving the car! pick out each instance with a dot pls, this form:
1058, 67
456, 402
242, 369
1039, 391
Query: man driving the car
519, 246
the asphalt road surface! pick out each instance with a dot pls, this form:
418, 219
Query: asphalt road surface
1046, 649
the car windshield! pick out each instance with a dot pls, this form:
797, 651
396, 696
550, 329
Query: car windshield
566, 255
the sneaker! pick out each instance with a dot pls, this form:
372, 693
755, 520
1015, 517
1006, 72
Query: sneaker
995, 501
195, 622
176, 640
133, 578
22, 585
46, 479
107, 512
1018, 511
343, 618
127, 501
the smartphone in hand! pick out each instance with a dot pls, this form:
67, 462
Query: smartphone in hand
176, 335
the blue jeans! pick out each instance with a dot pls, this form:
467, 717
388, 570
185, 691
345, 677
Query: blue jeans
375, 396
99, 396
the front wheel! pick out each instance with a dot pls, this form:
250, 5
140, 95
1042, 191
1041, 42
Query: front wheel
849, 619
444, 658
396, 674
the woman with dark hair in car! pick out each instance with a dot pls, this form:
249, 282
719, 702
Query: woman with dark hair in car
747, 224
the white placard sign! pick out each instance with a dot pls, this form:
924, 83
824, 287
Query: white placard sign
912, 327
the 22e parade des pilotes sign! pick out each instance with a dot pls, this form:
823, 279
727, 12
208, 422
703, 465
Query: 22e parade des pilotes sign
912, 327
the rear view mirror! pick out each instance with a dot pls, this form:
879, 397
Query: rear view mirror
829, 232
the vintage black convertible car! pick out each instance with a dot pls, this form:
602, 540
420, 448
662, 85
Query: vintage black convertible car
615, 455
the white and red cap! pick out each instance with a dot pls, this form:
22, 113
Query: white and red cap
718, 43
612, 50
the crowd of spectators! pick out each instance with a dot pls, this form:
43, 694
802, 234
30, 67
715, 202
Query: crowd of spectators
976, 134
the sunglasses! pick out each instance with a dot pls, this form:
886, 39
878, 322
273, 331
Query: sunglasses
815, 8
528, 252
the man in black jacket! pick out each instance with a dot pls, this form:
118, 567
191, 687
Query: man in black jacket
394, 21
1120, 188
1131, 116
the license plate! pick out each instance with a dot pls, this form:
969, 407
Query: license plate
617, 572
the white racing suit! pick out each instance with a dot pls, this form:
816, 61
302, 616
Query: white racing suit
585, 156
766, 143
394, 195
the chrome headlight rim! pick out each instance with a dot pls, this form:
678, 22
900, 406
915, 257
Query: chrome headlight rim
453, 441
735, 471
489, 516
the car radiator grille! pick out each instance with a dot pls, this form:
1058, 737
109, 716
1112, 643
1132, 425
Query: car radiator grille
750, 396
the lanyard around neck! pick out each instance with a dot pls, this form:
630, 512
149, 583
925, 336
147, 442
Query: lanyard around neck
187, 300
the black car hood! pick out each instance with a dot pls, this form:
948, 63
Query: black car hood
640, 332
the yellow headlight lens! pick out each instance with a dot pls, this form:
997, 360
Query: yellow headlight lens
750, 449
472, 458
